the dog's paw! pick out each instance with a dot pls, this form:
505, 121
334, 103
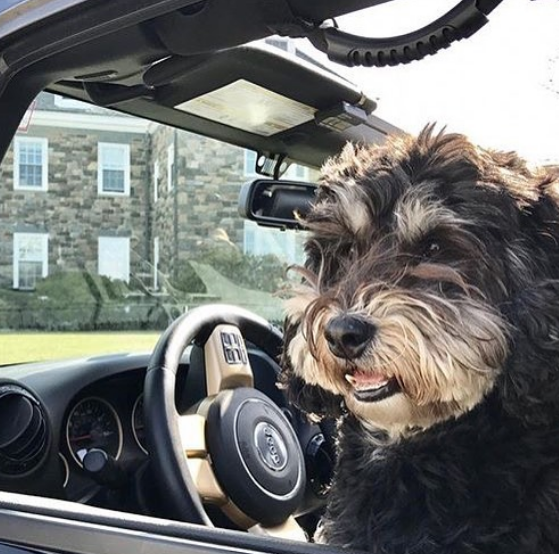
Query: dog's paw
318, 536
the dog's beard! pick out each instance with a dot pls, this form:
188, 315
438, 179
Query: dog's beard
432, 358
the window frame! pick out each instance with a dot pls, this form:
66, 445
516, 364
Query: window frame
17, 237
170, 167
126, 149
156, 177
44, 163
155, 263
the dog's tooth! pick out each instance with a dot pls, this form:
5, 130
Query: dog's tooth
376, 386
350, 379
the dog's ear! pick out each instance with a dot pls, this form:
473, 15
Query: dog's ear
529, 384
310, 399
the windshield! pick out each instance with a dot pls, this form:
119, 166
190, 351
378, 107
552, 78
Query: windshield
112, 226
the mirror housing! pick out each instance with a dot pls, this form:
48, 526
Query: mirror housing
273, 203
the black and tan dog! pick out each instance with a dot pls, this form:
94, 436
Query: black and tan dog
428, 324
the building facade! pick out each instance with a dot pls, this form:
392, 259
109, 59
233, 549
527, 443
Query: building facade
85, 188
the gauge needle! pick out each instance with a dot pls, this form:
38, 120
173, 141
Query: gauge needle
80, 438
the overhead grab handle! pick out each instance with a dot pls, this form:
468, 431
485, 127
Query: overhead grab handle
462, 21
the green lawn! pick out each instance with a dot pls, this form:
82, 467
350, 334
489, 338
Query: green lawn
32, 347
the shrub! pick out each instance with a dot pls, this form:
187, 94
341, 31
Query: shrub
187, 280
263, 273
75, 301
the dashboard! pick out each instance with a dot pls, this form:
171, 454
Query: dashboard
96, 404
86, 403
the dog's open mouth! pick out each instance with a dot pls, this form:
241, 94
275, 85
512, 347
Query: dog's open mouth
371, 387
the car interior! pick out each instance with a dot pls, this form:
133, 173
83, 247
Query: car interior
198, 444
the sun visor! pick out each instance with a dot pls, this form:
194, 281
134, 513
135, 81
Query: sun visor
180, 79
249, 107
241, 95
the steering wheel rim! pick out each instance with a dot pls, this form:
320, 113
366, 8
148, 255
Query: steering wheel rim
166, 445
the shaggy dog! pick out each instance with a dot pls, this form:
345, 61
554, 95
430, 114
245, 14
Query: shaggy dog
428, 325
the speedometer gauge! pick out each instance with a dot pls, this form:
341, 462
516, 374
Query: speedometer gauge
93, 423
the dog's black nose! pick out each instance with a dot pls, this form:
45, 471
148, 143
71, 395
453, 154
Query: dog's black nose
348, 335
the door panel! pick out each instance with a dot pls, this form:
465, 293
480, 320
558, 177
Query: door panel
56, 525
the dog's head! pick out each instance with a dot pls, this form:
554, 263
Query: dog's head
417, 250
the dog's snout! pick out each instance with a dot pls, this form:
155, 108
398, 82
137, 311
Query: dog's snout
348, 335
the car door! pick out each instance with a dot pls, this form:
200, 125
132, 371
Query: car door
47, 525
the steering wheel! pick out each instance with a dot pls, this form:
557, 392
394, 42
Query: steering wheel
238, 451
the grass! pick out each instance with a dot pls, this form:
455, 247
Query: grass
32, 347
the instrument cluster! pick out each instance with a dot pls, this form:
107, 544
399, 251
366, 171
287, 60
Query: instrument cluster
106, 417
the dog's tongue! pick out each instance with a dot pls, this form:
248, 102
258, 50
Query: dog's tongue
372, 387
364, 379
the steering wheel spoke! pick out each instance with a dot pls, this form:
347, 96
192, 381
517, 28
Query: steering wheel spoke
192, 429
205, 481
289, 530
227, 364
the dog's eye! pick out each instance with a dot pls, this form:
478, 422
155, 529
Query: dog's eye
431, 250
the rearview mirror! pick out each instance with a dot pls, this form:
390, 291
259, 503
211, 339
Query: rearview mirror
274, 203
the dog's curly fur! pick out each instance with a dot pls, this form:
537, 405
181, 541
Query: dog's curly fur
451, 253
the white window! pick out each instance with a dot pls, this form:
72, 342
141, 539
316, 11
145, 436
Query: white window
156, 263
250, 164
170, 167
113, 169
155, 181
31, 252
263, 241
114, 257
31, 163
296, 172
70, 103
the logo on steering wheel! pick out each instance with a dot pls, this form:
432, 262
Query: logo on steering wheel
270, 446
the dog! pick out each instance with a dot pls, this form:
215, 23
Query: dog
426, 322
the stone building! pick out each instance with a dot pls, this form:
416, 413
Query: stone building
87, 188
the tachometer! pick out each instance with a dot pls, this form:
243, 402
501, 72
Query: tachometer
93, 423
138, 423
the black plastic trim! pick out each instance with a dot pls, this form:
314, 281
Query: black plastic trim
460, 22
